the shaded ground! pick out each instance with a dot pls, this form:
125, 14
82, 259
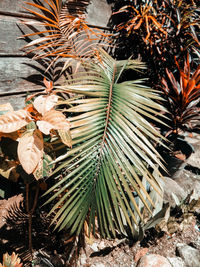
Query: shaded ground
52, 248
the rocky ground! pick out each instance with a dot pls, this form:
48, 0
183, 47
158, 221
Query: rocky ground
173, 241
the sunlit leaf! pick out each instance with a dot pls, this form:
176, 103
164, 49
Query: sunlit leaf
5, 108
48, 84
183, 96
53, 119
30, 150
44, 103
67, 34
14, 120
12, 260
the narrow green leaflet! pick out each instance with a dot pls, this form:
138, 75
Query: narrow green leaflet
108, 167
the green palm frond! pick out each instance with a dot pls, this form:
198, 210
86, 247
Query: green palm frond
112, 150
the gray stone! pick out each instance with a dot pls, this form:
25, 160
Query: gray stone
176, 262
94, 247
194, 159
196, 243
153, 260
171, 190
83, 260
190, 255
97, 264
185, 179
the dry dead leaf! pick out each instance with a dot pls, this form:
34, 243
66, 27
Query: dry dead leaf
14, 120
53, 119
44, 103
30, 150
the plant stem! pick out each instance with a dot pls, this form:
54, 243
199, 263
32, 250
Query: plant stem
30, 214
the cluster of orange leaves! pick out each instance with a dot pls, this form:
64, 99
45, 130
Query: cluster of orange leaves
47, 121
145, 16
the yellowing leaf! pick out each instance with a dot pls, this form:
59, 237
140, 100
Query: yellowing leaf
45, 103
65, 136
43, 168
30, 150
53, 119
14, 120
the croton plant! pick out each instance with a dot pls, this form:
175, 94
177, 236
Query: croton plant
30, 126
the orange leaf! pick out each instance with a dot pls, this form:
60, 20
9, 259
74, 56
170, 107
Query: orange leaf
14, 120
30, 150
45, 103
48, 84
180, 156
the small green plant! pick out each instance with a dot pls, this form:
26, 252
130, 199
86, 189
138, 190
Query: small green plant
11, 261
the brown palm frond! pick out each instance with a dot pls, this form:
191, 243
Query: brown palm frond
66, 32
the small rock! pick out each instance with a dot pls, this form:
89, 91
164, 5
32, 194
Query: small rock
94, 247
176, 262
140, 254
97, 264
190, 255
185, 179
101, 245
83, 259
196, 243
153, 260
194, 159
171, 187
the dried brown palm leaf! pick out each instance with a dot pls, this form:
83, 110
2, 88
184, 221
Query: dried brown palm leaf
65, 32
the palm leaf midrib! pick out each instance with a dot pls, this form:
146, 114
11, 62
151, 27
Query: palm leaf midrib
108, 111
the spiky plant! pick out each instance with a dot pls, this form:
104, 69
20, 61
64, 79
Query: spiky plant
183, 97
142, 17
64, 33
108, 171
158, 31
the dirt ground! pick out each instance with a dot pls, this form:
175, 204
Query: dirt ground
56, 248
